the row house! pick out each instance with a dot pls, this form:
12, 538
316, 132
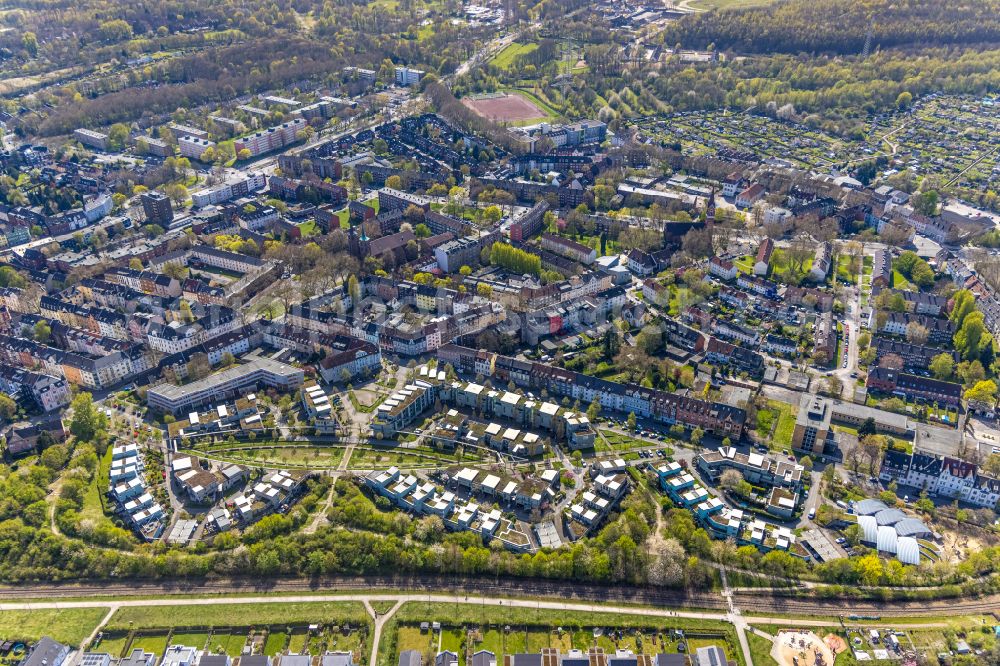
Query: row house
147, 282
942, 476
777, 344
569, 248
106, 294
176, 336
720, 352
914, 387
734, 298
99, 321
757, 285
650, 403
940, 330
682, 337
918, 302
916, 357
733, 331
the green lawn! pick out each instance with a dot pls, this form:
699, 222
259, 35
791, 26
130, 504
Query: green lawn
246, 614
93, 498
195, 639
760, 650
155, 643
71, 625
308, 228
899, 281
505, 58
786, 424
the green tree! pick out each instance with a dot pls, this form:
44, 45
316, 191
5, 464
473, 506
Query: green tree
88, 421
963, 304
594, 410
972, 337
926, 203
30, 43
984, 392
903, 100
354, 289
42, 331
630, 421
118, 136
8, 408
942, 366
611, 343
115, 30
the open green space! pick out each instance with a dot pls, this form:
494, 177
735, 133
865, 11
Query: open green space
783, 432
760, 649
899, 281
249, 614
152, 642
229, 642
71, 625
308, 228
505, 58
621, 442
294, 456
196, 639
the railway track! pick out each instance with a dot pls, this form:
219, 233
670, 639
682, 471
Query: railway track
748, 603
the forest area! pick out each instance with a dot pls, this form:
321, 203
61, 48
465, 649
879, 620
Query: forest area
839, 27
114, 62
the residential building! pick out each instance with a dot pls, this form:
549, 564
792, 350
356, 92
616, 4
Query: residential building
882, 268
231, 382
273, 138
91, 138
722, 268
569, 248
157, 208
406, 76
193, 147
762, 263
751, 195
915, 387
821, 264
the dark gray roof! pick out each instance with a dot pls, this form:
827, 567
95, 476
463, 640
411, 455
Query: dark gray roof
410, 658
214, 660
47, 652
869, 507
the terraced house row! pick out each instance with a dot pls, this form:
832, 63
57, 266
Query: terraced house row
669, 408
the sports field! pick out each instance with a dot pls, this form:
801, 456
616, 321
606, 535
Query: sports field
505, 108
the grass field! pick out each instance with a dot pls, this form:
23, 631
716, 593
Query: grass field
308, 228
155, 643
253, 615
505, 58
899, 281
69, 626
196, 639
786, 424
760, 650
